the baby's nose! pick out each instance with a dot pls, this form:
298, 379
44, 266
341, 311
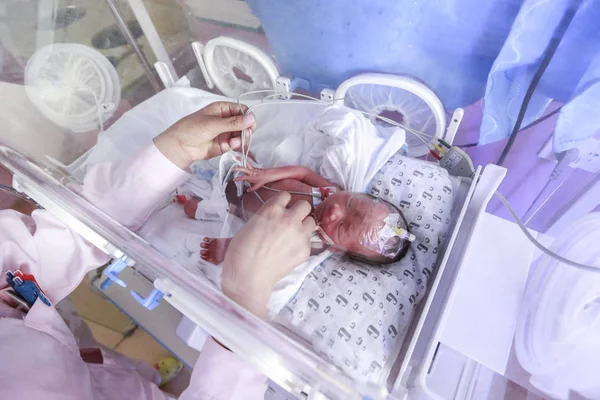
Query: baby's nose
334, 213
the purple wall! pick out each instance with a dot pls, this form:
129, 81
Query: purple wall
527, 172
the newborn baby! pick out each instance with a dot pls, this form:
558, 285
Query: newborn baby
367, 228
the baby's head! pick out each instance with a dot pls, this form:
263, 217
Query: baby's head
364, 226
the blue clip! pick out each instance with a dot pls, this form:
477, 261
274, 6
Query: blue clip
150, 302
112, 273
404, 149
26, 286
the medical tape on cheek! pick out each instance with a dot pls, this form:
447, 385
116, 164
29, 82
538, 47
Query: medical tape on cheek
389, 240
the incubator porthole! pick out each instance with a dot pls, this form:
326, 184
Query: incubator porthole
72, 85
400, 99
237, 67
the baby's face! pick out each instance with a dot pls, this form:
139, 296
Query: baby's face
347, 218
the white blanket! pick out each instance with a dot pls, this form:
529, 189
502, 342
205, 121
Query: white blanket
343, 146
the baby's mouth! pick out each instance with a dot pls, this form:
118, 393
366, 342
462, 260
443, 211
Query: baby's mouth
325, 237
319, 211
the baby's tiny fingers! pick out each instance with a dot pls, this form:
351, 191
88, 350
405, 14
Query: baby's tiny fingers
255, 187
204, 245
207, 239
242, 169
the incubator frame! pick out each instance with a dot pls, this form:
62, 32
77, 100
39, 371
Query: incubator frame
285, 361
291, 365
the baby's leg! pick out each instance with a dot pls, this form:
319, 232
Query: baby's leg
190, 207
244, 207
213, 249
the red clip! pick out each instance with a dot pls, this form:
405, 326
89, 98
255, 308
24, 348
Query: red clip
435, 155
181, 199
325, 192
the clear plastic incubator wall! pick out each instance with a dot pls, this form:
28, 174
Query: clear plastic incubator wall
475, 310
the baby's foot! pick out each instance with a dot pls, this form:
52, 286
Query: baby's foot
213, 249
190, 207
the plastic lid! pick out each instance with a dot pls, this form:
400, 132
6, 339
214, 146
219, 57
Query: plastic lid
401, 99
72, 85
557, 339
237, 67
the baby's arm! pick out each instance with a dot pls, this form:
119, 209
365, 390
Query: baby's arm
260, 177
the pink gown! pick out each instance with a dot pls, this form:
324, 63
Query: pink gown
39, 358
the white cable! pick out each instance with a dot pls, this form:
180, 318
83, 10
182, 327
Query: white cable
244, 133
98, 107
292, 192
539, 245
418, 134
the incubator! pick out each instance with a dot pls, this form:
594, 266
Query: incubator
510, 85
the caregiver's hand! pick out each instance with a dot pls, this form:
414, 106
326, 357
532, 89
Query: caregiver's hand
273, 242
205, 134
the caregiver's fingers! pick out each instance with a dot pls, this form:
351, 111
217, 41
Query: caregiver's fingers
248, 170
301, 209
224, 109
309, 225
256, 185
236, 141
214, 126
275, 205
222, 141
245, 170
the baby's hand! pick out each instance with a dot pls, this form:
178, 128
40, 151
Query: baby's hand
257, 176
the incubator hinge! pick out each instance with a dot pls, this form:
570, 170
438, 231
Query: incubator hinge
113, 270
327, 95
283, 86
149, 302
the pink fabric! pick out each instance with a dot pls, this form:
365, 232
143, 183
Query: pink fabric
39, 355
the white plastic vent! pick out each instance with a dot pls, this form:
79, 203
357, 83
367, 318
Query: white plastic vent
401, 99
72, 85
237, 67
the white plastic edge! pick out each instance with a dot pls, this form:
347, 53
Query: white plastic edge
198, 49
254, 52
152, 35
406, 368
455, 121
487, 184
66, 218
164, 74
190, 333
404, 83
